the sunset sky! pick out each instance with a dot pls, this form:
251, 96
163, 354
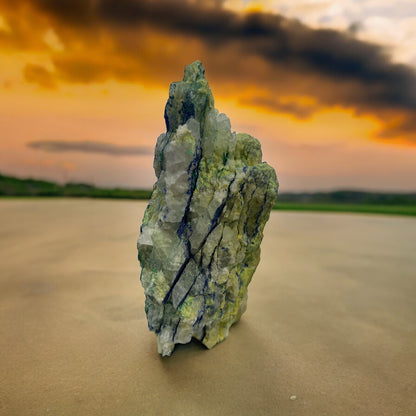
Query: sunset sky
328, 87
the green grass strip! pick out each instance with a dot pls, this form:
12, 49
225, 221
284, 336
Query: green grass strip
366, 209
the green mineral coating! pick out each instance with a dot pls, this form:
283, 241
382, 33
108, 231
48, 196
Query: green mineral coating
199, 243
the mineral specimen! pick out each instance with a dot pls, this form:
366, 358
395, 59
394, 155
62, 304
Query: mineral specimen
200, 239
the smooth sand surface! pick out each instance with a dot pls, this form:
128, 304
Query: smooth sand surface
331, 319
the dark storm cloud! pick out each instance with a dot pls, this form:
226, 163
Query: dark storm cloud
74, 11
276, 39
89, 147
283, 42
338, 68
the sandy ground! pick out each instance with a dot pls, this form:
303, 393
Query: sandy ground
330, 327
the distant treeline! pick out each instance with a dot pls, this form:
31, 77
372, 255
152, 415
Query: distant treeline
11, 186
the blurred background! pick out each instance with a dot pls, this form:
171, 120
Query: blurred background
329, 88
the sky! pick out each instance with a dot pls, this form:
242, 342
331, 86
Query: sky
328, 87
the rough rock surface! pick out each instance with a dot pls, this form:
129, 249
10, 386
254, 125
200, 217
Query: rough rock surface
200, 239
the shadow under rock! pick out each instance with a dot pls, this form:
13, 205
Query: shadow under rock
194, 346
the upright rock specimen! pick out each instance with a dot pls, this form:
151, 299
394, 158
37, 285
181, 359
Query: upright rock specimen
200, 238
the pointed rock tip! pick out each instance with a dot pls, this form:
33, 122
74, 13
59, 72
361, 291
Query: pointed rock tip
194, 72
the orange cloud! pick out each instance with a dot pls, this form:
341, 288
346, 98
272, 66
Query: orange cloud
149, 42
297, 106
39, 75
